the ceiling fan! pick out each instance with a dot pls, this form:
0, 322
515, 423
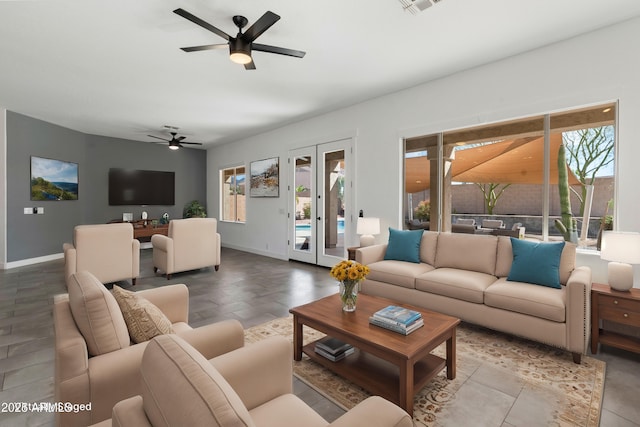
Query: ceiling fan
174, 143
242, 44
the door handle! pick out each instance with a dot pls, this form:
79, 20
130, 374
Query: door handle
319, 218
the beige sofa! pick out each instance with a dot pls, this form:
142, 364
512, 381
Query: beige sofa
95, 359
465, 275
108, 251
190, 244
249, 387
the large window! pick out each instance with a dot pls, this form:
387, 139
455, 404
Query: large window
232, 191
550, 175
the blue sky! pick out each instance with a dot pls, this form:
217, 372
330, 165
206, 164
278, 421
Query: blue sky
54, 170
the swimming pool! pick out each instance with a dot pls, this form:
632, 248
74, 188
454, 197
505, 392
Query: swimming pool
305, 229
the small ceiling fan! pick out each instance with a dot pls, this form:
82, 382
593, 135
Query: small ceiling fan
174, 143
242, 44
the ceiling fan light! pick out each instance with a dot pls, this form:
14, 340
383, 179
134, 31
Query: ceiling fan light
174, 147
240, 58
240, 51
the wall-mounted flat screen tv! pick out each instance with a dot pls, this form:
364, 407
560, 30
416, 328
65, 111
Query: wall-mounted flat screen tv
141, 187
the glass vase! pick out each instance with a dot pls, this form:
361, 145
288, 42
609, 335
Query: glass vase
349, 295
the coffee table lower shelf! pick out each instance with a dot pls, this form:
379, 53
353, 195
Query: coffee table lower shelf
376, 375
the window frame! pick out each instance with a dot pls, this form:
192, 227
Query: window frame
224, 174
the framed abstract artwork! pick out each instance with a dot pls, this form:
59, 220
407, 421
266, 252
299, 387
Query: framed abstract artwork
265, 178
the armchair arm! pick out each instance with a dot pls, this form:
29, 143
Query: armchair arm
578, 309
371, 254
374, 412
215, 339
70, 265
163, 255
258, 372
172, 300
135, 256
71, 362
218, 240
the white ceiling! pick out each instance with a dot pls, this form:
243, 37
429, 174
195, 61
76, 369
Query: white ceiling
114, 67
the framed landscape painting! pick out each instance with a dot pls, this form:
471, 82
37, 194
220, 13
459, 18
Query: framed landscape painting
53, 179
265, 178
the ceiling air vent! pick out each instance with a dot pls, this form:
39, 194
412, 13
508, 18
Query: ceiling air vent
416, 6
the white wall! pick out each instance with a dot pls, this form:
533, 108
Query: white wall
3, 187
591, 69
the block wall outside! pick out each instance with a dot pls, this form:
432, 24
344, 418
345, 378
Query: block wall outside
526, 199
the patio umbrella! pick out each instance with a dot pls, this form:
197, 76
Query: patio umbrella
517, 161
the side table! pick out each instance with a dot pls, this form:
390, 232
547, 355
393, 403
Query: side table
614, 306
351, 252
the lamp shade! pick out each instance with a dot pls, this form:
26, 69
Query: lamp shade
620, 246
368, 226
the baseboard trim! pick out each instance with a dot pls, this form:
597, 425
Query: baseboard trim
30, 261
257, 252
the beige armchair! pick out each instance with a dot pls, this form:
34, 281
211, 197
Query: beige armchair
189, 244
95, 359
251, 386
108, 251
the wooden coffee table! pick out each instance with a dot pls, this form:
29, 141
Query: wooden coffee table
385, 363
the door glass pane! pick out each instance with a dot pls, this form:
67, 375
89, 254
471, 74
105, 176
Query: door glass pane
302, 187
334, 177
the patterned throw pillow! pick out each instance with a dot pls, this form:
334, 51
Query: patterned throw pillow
144, 320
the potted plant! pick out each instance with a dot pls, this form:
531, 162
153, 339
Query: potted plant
423, 211
194, 210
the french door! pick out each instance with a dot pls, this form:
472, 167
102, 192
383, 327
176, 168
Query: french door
319, 198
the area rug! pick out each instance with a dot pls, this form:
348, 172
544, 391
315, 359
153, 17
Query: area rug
575, 390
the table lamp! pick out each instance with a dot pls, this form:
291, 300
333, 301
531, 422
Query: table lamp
367, 227
622, 249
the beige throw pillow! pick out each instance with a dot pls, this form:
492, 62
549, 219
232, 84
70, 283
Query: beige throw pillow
144, 320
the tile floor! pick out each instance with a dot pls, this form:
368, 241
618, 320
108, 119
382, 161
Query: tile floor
255, 289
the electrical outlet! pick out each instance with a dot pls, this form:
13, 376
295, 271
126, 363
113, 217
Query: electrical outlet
39, 210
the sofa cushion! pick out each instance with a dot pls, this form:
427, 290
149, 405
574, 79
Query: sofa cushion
180, 387
96, 314
144, 320
455, 283
398, 273
404, 245
428, 247
505, 258
467, 252
539, 301
536, 262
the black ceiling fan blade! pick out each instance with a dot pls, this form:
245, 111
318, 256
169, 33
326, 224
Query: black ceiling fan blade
205, 47
278, 50
180, 138
201, 23
192, 143
250, 66
157, 137
260, 26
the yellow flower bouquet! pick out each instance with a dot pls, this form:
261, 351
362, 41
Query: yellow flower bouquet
349, 274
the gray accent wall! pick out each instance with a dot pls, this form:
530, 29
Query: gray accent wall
34, 236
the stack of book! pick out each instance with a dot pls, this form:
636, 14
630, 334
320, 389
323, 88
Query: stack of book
333, 349
397, 319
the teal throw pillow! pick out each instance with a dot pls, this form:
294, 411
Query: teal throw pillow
404, 245
536, 262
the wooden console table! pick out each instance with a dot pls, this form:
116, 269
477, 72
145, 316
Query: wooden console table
141, 230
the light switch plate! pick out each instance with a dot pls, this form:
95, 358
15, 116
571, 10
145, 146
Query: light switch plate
28, 211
